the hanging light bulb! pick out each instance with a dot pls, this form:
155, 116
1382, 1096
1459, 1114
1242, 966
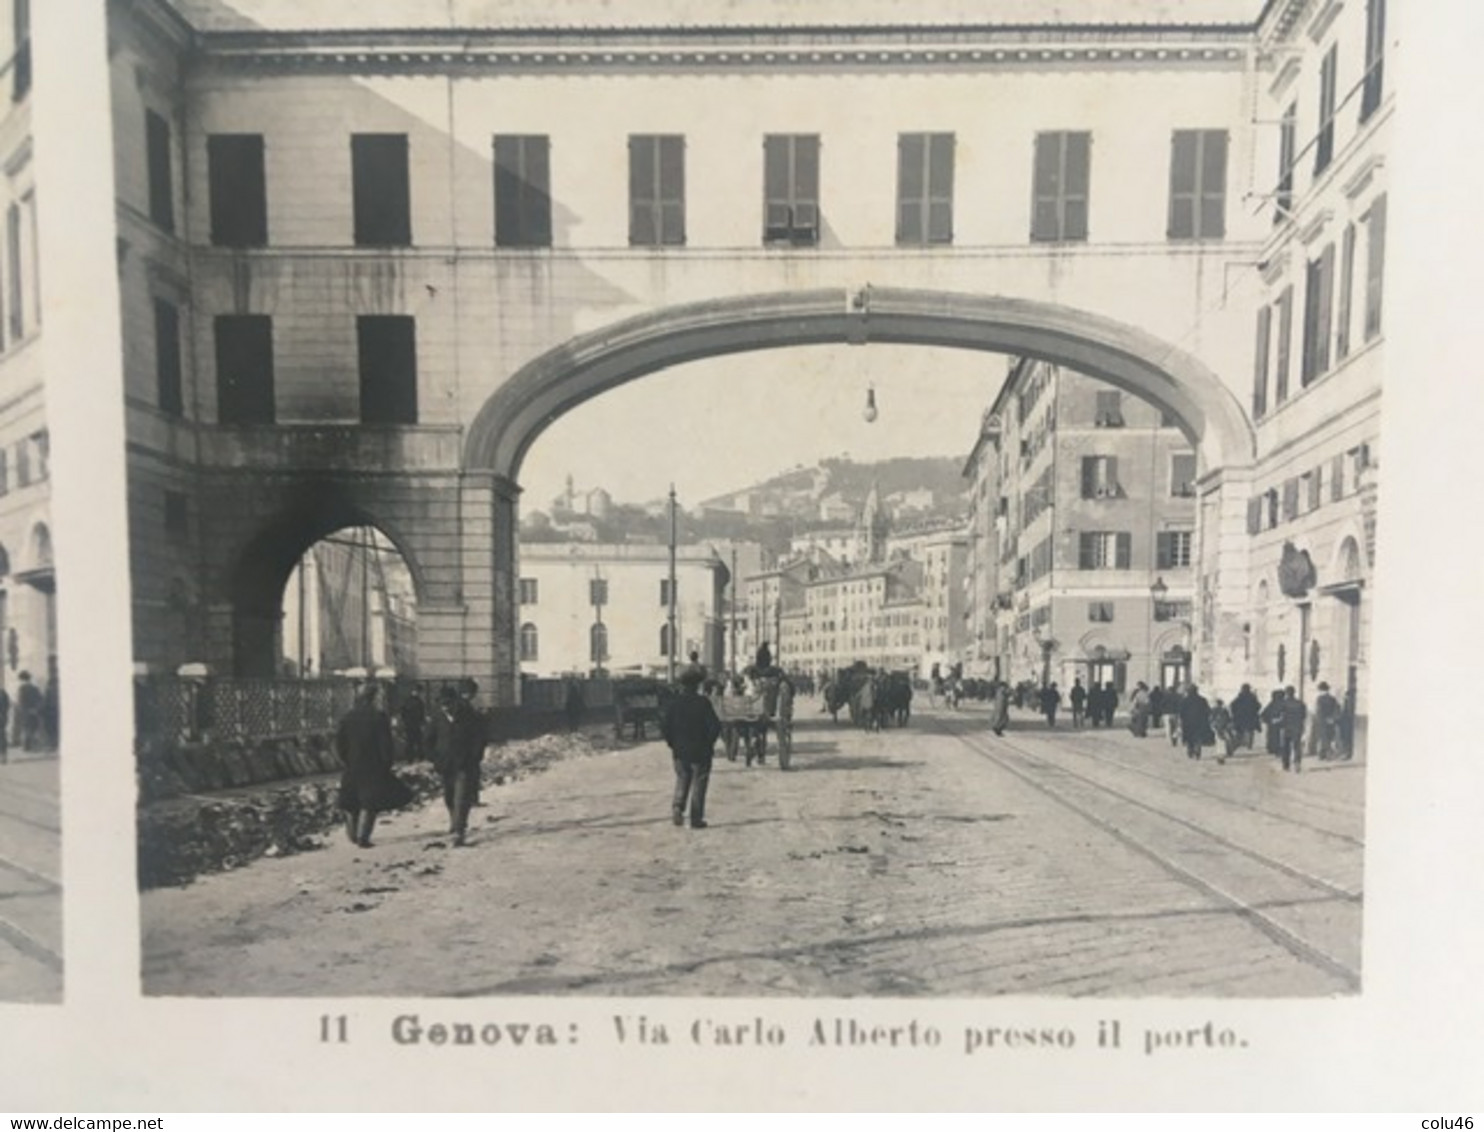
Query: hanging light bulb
870, 410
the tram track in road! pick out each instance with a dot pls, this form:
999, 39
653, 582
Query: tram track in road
17, 882
1148, 825
1196, 792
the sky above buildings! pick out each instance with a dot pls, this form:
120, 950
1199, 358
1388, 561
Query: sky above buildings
242, 15
722, 424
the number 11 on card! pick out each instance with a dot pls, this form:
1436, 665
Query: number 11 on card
334, 1028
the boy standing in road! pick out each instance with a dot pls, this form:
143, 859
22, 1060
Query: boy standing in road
690, 728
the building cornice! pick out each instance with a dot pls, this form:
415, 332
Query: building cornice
713, 49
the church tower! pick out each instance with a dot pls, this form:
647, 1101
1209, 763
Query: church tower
872, 529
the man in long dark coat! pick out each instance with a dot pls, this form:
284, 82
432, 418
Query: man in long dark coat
458, 749
1195, 722
691, 728
367, 785
1246, 716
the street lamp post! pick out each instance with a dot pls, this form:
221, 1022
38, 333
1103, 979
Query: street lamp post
1157, 593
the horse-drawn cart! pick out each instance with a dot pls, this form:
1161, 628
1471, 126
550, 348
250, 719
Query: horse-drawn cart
636, 704
746, 720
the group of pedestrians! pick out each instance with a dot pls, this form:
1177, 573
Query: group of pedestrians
1093, 706
453, 735
31, 719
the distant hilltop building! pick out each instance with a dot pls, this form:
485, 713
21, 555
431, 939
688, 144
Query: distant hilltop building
595, 502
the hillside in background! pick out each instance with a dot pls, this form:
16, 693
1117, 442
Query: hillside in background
915, 490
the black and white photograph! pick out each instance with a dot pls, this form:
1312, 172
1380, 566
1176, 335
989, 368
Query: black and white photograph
752, 500
30, 805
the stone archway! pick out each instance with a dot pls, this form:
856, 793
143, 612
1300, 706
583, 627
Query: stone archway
1124, 356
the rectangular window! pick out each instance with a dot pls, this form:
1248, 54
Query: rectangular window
168, 390
1197, 185
1182, 475
238, 190
1109, 412
1324, 143
1173, 610
21, 65
13, 269
522, 191
1260, 366
597, 591
244, 369
1313, 489
1272, 498
177, 521
1375, 266
1375, 54
1287, 155
1062, 175
42, 443
23, 464
1172, 549
791, 189
924, 189
529, 591
161, 192
1347, 288
1104, 550
1285, 341
1100, 611
665, 592
656, 190
1318, 304
381, 190
1254, 515
1337, 479
388, 353
1100, 477
1290, 499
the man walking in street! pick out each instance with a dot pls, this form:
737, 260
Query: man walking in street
1294, 716
1195, 722
999, 717
1078, 696
1326, 723
690, 728
1050, 701
1246, 710
458, 749
1272, 721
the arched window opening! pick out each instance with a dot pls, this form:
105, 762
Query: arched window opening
529, 642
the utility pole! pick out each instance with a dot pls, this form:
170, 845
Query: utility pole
672, 583
365, 541
303, 566
732, 609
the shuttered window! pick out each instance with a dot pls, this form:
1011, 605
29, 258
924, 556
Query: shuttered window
1061, 174
656, 190
1198, 185
244, 369
1318, 306
1375, 55
1285, 342
388, 357
381, 190
924, 189
1343, 317
238, 190
168, 390
161, 191
1260, 361
1172, 549
1375, 266
522, 191
791, 189
1287, 155
1104, 550
1324, 143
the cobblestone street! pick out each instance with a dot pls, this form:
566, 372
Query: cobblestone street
935, 860
30, 880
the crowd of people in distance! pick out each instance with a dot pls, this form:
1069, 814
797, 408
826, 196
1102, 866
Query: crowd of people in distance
30, 720
1289, 729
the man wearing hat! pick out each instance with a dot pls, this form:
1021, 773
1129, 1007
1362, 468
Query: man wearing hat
1326, 723
691, 728
458, 749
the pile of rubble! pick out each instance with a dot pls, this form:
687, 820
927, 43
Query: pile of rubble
183, 837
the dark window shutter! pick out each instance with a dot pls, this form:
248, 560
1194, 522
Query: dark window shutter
1125, 550
1375, 267
1254, 515
1164, 557
1212, 202
911, 188
161, 191
1047, 176
1326, 309
167, 358
1078, 178
1086, 551
13, 257
244, 369
522, 191
1285, 344
388, 347
1184, 187
1089, 476
381, 190
239, 202
1112, 475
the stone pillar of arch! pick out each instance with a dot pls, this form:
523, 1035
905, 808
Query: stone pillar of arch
1222, 621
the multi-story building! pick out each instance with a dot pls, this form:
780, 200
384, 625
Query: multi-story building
28, 587
871, 613
1094, 537
943, 552
587, 606
1319, 344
